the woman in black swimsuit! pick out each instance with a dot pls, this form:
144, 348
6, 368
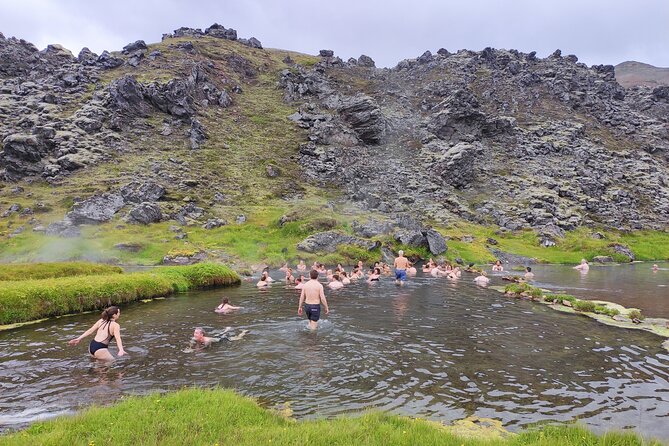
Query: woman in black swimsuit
105, 330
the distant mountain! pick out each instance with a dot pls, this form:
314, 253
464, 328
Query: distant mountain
630, 74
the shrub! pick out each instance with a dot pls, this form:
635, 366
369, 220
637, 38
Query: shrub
584, 306
635, 314
603, 309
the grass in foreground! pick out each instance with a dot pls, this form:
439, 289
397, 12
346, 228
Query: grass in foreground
27, 300
210, 417
35, 271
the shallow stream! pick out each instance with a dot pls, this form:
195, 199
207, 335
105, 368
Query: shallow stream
433, 348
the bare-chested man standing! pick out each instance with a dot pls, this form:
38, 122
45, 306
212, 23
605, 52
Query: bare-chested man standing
401, 266
312, 297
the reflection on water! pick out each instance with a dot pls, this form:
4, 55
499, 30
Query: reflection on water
635, 285
432, 348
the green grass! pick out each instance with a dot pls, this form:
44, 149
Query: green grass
221, 417
33, 271
28, 300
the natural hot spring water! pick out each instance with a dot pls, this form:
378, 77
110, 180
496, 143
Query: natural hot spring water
432, 349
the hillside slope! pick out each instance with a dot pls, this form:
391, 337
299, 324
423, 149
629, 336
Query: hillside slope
203, 140
632, 74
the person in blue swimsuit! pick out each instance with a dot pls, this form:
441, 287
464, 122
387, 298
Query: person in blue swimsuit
105, 329
401, 265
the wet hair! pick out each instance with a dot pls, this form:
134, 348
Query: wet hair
313, 274
336, 277
343, 273
299, 279
201, 330
109, 313
226, 300
264, 276
377, 271
528, 269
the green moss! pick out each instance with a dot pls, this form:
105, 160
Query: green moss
585, 306
32, 271
27, 300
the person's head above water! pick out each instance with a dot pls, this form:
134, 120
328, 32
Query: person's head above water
226, 300
401, 253
313, 274
583, 261
199, 333
528, 269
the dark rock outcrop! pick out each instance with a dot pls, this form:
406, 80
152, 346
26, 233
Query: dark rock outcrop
145, 213
328, 242
96, 209
139, 192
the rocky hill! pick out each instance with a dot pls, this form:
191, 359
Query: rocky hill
632, 74
193, 128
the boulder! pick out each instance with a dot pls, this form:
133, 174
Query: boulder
106, 60
272, 171
602, 259
145, 213
435, 242
196, 134
366, 61
129, 246
365, 118
182, 259
138, 45
371, 228
425, 57
328, 242
326, 53
411, 237
64, 228
458, 165
96, 209
87, 57
214, 223
22, 155
623, 250
139, 192
221, 32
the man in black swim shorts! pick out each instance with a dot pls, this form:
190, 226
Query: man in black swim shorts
312, 296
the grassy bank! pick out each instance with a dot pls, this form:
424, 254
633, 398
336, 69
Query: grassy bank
217, 417
27, 300
35, 271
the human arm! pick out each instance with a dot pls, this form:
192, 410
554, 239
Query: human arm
324, 300
95, 326
116, 331
299, 305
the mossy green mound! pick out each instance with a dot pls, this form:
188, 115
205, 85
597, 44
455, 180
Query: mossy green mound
218, 417
27, 300
35, 271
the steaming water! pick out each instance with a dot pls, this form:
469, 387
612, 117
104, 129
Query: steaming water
432, 349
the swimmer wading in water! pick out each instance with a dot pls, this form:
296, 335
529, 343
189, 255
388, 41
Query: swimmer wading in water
105, 330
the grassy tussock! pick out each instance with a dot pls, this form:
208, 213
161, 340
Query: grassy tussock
34, 271
218, 417
27, 300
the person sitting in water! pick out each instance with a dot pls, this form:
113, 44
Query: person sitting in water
427, 267
344, 278
201, 341
264, 281
354, 273
285, 267
497, 267
336, 284
299, 283
329, 275
225, 307
361, 266
386, 269
411, 271
455, 273
583, 266
375, 275
106, 329
655, 268
301, 266
482, 280
339, 268
289, 276
529, 275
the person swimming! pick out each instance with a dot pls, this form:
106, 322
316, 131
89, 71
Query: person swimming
264, 281
344, 278
106, 329
375, 275
225, 307
497, 267
299, 283
301, 266
200, 340
529, 275
336, 284
482, 280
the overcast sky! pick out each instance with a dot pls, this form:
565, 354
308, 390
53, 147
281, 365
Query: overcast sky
597, 31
